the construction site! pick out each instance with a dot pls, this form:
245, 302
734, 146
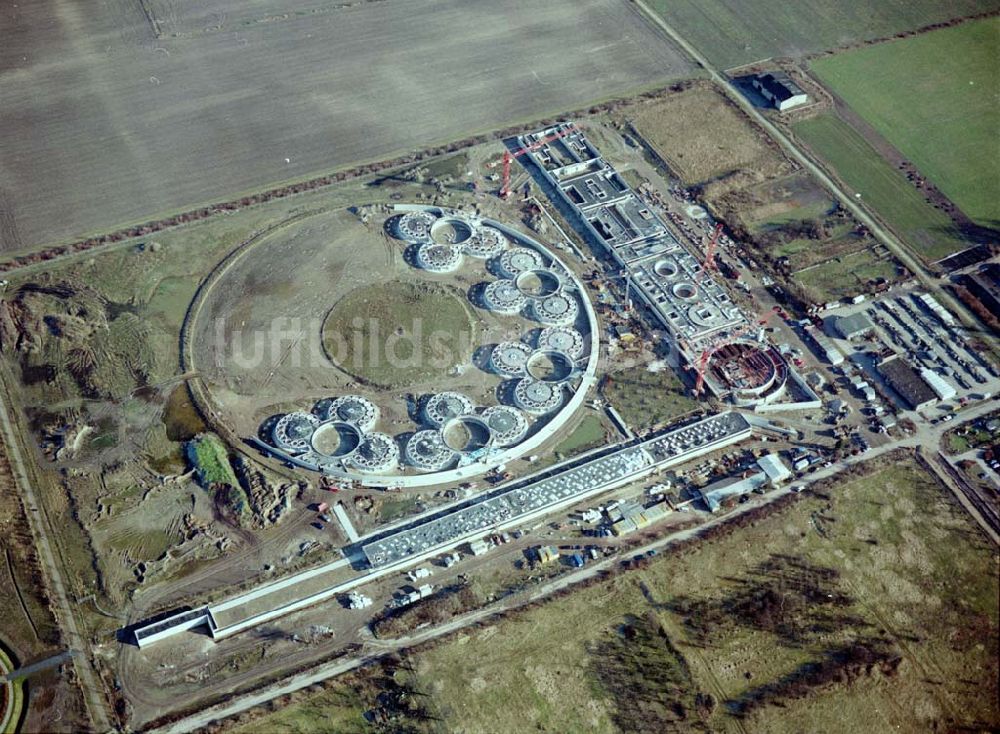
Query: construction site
727, 349
319, 431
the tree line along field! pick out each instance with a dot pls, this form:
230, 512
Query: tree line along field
736, 32
930, 231
934, 97
107, 124
869, 604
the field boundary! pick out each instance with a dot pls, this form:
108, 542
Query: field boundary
11, 264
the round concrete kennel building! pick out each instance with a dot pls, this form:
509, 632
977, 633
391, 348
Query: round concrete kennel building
487, 242
355, 409
510, 358
293, 431
503, 297
528, 384
447, 405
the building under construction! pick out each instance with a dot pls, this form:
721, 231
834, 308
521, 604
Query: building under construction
727, 350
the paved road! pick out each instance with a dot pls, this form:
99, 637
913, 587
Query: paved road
93, 692
849, 202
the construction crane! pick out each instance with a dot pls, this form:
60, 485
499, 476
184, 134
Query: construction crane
508, 157
710, 253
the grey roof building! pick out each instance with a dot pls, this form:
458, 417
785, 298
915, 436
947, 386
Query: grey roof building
908, 383
853, 326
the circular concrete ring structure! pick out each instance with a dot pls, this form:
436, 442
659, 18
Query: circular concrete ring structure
685, 291
555, 310
501, 296
450, 231
754, 373
518, 259
550, 365
666, 268
562, 338
415, 226
485, 243
508, 425
378, 452
509, 358
293, 431
353, 451
537, 283
537, 398
447, 405
336, 439
354, 409
466, 434
438, 258
426, 450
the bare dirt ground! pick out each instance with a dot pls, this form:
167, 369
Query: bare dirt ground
29, 628
702, 137
106, 124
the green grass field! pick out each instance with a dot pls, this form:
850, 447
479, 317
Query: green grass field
934, 97
846, 275
928, 230
645, 399
589, 434
731, 33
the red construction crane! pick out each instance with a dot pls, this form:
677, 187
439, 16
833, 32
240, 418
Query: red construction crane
710, 253
508, 156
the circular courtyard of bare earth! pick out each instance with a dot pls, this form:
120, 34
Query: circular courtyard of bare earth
400, 333
292, 321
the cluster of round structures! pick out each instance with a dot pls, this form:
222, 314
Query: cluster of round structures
526, 281
460, 434
338, 433
442, 242
542, 370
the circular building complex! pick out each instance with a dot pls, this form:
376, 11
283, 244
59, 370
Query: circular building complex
539, 373
509, 358
537, 397
427, 451
293, 431
447, 405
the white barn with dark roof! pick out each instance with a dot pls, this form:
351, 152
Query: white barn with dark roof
779, 89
